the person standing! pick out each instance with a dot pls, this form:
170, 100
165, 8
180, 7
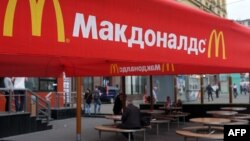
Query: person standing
235, 90
155, 93
19, 85
97, 100
210, 90
117, 109
131, 119
9, 85
245, 88
217, 90
88, 99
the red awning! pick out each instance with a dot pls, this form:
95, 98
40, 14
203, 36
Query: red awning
126, 37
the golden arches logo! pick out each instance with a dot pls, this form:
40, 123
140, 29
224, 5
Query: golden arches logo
36, 10
114, 69
216, 38
167, 67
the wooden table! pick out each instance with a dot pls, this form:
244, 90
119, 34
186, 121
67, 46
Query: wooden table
171, 108
178, 116
152, 111
242, 116
159, 121
233, 108
210, 121
222, 113
114, 117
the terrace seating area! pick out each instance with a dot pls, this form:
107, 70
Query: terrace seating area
177, 125
64, 130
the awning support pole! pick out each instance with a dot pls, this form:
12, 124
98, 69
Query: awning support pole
78, 109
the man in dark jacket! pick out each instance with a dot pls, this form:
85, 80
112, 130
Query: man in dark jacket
210, 91
88, 99
117, 109
130, 118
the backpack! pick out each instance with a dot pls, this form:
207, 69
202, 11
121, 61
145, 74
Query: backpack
2, 82
96, 95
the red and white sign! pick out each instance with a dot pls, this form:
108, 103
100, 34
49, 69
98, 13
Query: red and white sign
46, 38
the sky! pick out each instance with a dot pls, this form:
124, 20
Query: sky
238, 9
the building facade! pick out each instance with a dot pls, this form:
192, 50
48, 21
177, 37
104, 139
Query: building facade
216, 7
139, 85
136, 85
245, 22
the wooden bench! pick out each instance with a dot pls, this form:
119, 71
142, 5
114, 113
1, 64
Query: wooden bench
191, 132
113, 128
159, 121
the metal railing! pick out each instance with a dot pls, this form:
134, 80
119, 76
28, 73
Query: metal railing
59, 100
33, 103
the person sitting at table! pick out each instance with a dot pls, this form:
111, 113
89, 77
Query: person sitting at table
178, 103
131, 118
168, 104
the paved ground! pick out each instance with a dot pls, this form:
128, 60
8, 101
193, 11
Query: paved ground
65, 130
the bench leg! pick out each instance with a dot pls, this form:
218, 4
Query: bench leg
129, 136
100, 135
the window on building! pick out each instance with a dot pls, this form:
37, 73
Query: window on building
189, 89
87, 83
41, 84
135, 84
218, 2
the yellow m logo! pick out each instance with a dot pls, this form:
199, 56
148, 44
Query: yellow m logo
114, 69
36, 10
217, 39
167, 67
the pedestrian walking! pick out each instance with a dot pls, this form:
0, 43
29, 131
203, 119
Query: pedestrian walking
97, 100
210, 91
88, 100
235, 90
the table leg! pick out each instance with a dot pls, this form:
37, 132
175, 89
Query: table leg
209, 129
178, 122
157, 129
144, 135
129, 136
